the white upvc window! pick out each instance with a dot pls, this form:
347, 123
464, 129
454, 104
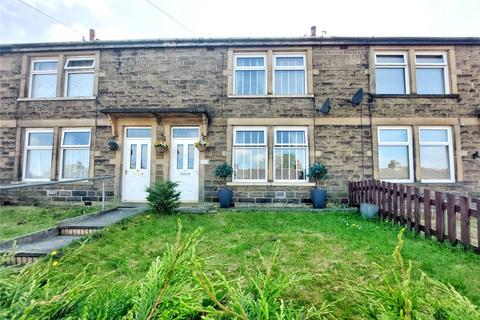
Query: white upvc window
431, 69
250, 75
75, 154
79, 77
391, 73
289, 74
395, 156
43, 78
37, 156
250, 154
436, 154
290, 154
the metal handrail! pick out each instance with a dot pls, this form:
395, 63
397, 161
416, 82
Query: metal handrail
46, 183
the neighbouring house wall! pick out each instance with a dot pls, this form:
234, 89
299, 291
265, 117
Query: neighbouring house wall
191, 77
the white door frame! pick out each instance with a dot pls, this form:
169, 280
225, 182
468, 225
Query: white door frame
173, 158
126, 161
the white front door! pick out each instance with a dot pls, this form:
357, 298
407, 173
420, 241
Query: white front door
184, 162
136, 171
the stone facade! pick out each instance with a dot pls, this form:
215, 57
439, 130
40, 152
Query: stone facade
156, 75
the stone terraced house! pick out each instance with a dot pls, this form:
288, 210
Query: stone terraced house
257, 102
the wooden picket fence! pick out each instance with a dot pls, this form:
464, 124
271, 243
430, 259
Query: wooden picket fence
442, 215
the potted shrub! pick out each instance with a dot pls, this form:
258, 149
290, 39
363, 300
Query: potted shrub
161, 146
225, 195
201, 145
317, 173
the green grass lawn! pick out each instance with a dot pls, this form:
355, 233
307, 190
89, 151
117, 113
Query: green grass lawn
334, 248
19, 220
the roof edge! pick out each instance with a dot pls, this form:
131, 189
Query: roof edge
235, 42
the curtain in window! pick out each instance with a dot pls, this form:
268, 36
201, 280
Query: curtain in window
38, 164
290, 82
44, 85
250, 82
75, 163
80, 84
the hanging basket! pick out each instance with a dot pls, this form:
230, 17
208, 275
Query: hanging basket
161, 149
201, 147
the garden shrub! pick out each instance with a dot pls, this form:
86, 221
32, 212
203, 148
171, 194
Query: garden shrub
163, 197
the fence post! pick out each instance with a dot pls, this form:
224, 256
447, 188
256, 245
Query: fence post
465, 222
409, 207
103, 193
395, 202
389, 201
401, 198
427, 212
416, 209
439, 219
452, 219
477, 202
383, 196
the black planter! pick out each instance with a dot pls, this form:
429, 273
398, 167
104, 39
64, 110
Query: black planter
319, 198
225, 197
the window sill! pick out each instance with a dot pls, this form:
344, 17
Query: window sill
57, 99
273, 184
417, 96
233, 96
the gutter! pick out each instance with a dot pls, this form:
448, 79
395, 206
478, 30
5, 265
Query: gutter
235, 42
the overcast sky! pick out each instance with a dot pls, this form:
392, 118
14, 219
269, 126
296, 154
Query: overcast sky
136, 19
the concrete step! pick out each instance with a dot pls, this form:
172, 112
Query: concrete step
27, 249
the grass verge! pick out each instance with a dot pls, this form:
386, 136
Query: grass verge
19, 220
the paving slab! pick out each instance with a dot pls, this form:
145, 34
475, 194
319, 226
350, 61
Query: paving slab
103, 220
45, 246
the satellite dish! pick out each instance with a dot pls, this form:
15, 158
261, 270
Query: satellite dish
357, 97
325, 106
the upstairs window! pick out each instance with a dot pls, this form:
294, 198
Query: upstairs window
79, 77
290, 154
38, 154
75, 153
250, 75
250, 154
431, 73
436, 154
395, 156
43, 78
289, 75
391, 73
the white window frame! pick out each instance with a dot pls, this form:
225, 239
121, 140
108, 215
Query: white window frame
290, 68
409, 144
448, 144
444, 65
69, 70
27, 147
276, 145
75, 147
403, 65
236, 146
239, 68
36, 72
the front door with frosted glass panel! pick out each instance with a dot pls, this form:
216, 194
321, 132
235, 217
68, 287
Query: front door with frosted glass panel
136, 171
185, 162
